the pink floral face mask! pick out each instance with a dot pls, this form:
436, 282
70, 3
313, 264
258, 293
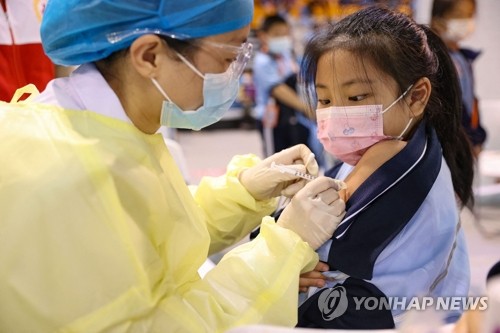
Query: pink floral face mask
348, 131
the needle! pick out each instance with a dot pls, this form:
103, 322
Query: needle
286, 169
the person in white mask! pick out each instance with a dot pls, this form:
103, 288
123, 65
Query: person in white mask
279, 111
454, 21
387, 101
98, 230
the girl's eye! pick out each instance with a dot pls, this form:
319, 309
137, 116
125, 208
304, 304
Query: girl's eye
357, 98
324, 101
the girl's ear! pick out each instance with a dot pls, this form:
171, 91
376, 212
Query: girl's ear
418, 96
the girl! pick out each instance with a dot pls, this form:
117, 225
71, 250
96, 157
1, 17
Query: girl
388, 105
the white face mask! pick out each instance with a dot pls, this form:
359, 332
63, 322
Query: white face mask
280, 45
459, 29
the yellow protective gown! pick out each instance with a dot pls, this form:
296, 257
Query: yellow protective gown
99, 233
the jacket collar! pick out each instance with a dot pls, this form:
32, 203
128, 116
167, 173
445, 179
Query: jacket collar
84, 89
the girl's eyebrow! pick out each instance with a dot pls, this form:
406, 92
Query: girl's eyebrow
357, 81
346, 84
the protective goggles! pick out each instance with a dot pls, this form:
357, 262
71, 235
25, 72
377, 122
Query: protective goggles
241, 54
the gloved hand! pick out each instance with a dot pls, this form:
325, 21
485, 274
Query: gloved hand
264, 182
315, 211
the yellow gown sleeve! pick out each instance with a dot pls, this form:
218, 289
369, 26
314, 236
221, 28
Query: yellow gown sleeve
98, 233
230, 211
256, 282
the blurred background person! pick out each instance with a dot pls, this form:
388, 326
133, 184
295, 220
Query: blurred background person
280, 113
22, 59
454, 20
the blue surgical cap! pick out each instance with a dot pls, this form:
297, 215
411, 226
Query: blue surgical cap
80, 31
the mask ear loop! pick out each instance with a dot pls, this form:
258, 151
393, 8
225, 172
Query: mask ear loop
160, 89
400, 136
185, 61
397, 100
190, 65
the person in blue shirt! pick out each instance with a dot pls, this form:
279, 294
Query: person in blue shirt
279, 111
454, 21
387, 102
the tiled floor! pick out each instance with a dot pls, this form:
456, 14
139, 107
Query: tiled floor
208, 152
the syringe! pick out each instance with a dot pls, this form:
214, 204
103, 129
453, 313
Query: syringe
286, 169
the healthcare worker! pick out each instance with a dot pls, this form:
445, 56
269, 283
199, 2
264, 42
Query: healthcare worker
98, 232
